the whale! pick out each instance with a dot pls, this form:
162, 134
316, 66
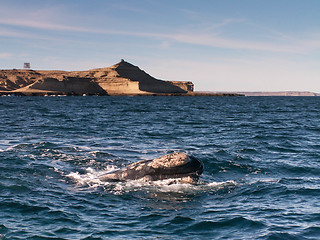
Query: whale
177, 165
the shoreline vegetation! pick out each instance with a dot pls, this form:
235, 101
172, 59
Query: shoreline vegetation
121, 79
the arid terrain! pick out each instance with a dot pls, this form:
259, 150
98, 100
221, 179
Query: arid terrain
122, 78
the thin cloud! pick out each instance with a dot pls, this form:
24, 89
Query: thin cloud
42, 25
5, 55
224, 23
220, 42
209, 40
24, 35
125, 7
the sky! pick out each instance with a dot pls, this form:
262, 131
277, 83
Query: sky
219, 45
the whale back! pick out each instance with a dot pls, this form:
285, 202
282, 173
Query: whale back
175, 165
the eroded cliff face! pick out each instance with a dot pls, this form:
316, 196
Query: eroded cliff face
120, 79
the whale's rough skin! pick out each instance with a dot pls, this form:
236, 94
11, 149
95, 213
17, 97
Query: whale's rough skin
175, 165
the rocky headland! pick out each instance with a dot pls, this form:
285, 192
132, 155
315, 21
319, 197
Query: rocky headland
122, 78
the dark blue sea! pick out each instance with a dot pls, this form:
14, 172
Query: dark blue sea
261, 157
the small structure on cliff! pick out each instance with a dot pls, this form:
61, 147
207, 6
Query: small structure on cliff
26, 65
122, 78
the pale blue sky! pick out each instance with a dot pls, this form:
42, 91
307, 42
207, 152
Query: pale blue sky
225, 45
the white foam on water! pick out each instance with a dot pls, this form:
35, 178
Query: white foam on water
169, 186
222, 184
91, 180
262, 180
10, 148
91, 177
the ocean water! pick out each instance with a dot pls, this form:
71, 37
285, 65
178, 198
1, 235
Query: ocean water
261, 157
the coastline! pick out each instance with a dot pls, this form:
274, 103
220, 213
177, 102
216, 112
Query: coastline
188, 94
121, 79
281, 94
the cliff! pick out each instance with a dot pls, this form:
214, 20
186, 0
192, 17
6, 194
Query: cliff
122, 78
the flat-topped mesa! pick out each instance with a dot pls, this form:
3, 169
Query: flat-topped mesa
122, 78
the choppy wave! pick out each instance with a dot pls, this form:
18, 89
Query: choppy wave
90, 179
261, 177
